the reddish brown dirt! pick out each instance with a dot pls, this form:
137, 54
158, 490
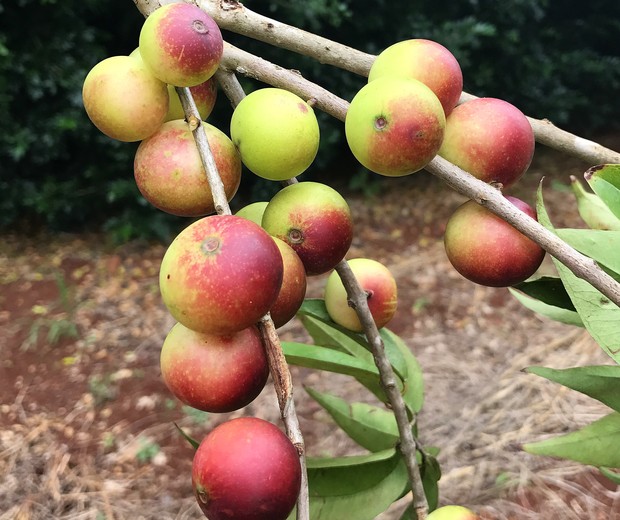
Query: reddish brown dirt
86, 424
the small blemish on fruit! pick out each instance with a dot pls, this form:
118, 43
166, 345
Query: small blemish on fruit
210, 245
202, 496
168, 277
199, 27
380, 123
302, 107
295, 236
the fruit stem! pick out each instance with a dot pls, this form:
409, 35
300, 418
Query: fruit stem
358, 300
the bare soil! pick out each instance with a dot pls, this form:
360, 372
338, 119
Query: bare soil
87, 425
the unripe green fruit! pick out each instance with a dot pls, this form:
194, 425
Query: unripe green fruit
276, 132
452, 513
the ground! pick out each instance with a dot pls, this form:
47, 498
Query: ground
87, 425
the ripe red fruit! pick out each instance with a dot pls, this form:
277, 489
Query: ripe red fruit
214, 373
487, 250
221, 274
489, 138
293, 289
314, 220
246, 469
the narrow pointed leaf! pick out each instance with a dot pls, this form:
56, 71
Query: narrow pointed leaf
544, 309
599, 382
547, 289
413, 393
430, 473
359, 487
605, 181
611, 475
602, 246
371, 427
330, 360
600, 316
325, 332
596, 444
193, 442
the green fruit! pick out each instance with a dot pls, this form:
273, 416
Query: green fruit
276, 132
452, 513
253, 212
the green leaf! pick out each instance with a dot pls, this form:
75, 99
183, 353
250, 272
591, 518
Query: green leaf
325, 332
327, 335
600, 316
413, 394
357, 487
549, 290
544, 309
194, 443
324, 358
611, 475
371, 427
430, 472
596, 444
602, 246
605, 181
599, 382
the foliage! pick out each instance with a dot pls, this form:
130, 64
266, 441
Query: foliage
570, 299
47, 144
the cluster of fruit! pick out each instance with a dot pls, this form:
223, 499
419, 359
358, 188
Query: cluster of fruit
408, 113
223, 273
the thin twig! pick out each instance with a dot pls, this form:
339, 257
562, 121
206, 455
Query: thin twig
458, 179
278, 367
408, 445
234, 16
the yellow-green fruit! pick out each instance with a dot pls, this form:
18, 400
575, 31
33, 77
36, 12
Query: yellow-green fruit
378, 283
452, 513
276, 132
123, 99
253, 212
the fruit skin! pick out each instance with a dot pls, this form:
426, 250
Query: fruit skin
214, 373
253, 212
204, 94
379, 284
293, 289
170, 174
489, 138
487, 250
276, 132
181, 44
452, 513
246, 469
428, 62
315, 220
123, 99
395, 126
221, 274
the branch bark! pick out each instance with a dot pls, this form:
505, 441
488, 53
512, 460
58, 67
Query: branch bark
234, 16
464, 183
278, 367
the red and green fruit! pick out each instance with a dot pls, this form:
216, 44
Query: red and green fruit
395, 126
293, 289
181, 44
170, 175
247, 469
276, 132
489, 138
428, 62
315, 220
487, 250
123, 99
221, 274
452, 513
214, 373
253, 211
204, 94
378, 283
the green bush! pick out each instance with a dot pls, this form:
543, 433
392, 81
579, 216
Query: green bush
554, 60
